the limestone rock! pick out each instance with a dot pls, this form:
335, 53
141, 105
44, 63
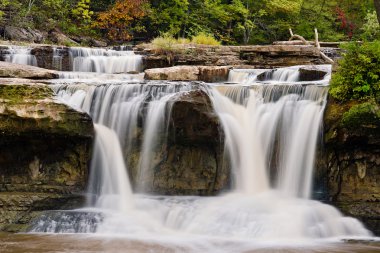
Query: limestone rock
44, 152
311, 74
189, 73
22, 34
191, 162
348, 167
178, 73
269, 56
213, 74
57, 37
23, 71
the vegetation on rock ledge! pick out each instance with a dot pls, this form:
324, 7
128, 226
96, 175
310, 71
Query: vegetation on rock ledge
358, 79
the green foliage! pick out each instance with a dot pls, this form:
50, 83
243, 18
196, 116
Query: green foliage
371, 29
367, 114
165, 42
229, 21
285, 6
82, 11
358, 74
205, 39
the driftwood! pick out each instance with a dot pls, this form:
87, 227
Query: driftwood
300, 42
316, 43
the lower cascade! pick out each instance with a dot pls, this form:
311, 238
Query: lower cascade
271, 132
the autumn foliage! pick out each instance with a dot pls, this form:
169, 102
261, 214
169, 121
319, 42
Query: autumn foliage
118, 20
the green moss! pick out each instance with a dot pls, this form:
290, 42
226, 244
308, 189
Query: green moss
365, 114
18, 93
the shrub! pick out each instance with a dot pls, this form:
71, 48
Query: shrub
367, 113
205, 39
371, 29
164, 42
358, 74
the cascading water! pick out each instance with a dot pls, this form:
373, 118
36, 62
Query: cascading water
104, 60
271, 131
118, 106
109, 181
289, 75
20, 55
57, 58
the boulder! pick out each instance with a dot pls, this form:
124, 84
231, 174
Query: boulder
189, 73
57, 37
13, 70
191, 161
22, 34
177, 73
213, 74
44, 154
307, 73
311, 73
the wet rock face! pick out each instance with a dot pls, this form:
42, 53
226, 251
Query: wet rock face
351, 163
191, 160
44, 56
311, 74
44, 153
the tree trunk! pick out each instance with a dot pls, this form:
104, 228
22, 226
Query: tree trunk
377, 7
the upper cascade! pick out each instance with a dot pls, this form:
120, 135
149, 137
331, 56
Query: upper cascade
77, 59
20, 55
104, 60
317, 74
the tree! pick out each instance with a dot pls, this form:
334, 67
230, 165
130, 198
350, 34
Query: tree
82, 11
121, 20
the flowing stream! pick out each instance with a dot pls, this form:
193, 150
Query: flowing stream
272, 125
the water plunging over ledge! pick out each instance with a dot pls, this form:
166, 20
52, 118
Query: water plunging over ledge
271, 131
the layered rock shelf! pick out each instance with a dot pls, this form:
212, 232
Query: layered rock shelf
44, 153
210, 74
269, 56
348, 166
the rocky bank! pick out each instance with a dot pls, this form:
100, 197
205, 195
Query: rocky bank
44, 153
348, 168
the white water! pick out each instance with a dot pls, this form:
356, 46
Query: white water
271, 132
288, 75
254, 118
104, 60
20, 55
98, 60
118, 106
109, 181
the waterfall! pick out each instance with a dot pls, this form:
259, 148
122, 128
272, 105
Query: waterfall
255, 118
104, 60
288, 75
100, 77
20, 55
271, 130
109, 181
57, 58
119, 106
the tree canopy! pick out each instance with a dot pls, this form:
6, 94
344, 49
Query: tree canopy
230, 21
